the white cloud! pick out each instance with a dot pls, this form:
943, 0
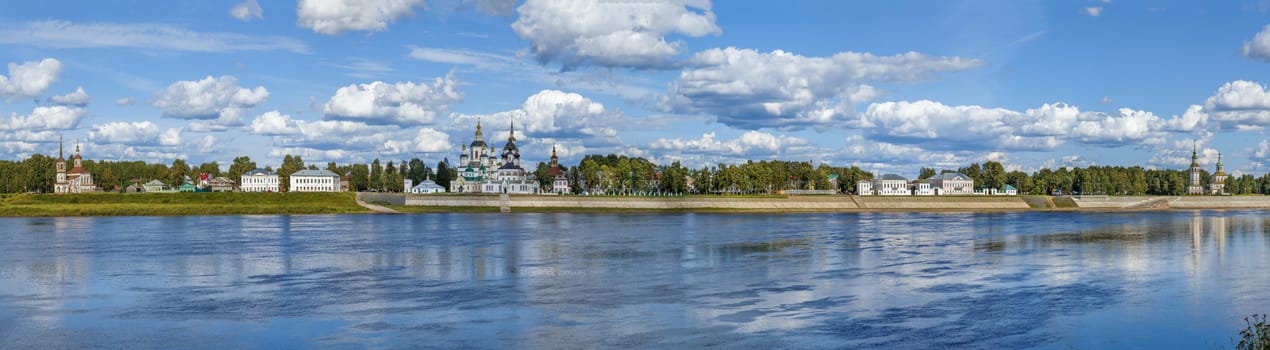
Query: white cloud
1262, 152
29, 79
750, 144
403, 103
1094, 11
219, 98
126, 101
494, 7
1241, 105
747, 89
551, 114
1259, 46
77, 98
340, 16
934, 125
274, 123
45, 118
611, 33
480, 60
426, 140
143, 36
134, 133
247, 11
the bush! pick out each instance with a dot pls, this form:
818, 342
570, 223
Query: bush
1256, 336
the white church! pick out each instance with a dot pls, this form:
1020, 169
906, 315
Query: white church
480, 172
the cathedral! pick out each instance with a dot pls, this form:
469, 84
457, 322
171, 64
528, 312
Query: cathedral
75, 180
1216, 187
481, 172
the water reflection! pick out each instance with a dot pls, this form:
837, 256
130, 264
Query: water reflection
1002, 280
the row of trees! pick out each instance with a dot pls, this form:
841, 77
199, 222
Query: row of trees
622, 174
37, 173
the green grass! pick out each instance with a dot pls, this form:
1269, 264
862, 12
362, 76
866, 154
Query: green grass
219, 203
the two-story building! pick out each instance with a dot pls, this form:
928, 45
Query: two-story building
314, 181
259, 180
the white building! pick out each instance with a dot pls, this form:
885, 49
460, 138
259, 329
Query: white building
426, 187
953, 183
481, 173
75, 180
1008, 190
560, 182
922, 188
864, 187
258, 180
315, 181
891, 185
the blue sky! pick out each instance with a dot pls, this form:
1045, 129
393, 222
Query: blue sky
888, 86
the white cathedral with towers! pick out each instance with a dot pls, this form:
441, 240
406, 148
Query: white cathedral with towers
74, 180
480, 172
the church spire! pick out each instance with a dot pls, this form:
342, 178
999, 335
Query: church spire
553, 155
479, 136
1219, 165
511, 136
59, 147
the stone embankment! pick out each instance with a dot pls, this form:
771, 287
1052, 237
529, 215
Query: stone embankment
789, 203
1162, 202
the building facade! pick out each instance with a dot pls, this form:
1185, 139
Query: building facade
891, 185
259, 180
426, 187
952, 183
559, 182
315, 181
1218, 186
864, 187
1195, 188
480, 172
74, 180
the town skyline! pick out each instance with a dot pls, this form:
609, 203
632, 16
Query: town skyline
1031, 85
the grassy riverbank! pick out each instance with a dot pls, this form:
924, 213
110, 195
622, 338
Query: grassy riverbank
138, 204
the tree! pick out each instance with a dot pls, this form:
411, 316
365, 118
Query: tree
443, 175
241, 165
376, 175
212, 169
359, 177
992, 175
290, 165
926, 173
418, 171
178, 172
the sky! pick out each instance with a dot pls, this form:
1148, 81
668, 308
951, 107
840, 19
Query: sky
889, 86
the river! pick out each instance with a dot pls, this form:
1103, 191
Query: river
1147, 280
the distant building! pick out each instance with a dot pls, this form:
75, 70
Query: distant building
259, 180
187, 187
75, 180
1008, 190
427, 187
1218, 186
891, 185
155, 186
559, 182
952, 183
221, 184
315, 181
1195, 188
833, 182
922, 188
864, 187
480, 172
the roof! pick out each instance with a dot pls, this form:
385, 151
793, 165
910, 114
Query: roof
893, 177
427, 184
156, 183
259, 172
510, 166
833, 176
951, 176
315, 173
477, 143
1007, 187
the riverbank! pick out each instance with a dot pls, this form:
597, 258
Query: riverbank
174, 204
827, 203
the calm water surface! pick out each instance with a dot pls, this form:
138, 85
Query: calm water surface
875, 280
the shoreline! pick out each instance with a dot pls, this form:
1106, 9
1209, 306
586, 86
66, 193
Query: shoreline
240, 203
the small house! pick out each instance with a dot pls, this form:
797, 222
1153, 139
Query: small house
187, 187
427, 187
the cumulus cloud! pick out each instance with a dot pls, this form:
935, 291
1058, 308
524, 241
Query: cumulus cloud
402, 103
748, 89
144, 36
29, 79
274, 123
1242, 105
126, 101
426, 140
1259, 46
340, 16
143, 133
247, 11
350, 138
550, 115
218, 99
750, 144
77, 98
611, 33
934, 125
45, 118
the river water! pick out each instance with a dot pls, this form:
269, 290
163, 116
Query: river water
1148, 280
